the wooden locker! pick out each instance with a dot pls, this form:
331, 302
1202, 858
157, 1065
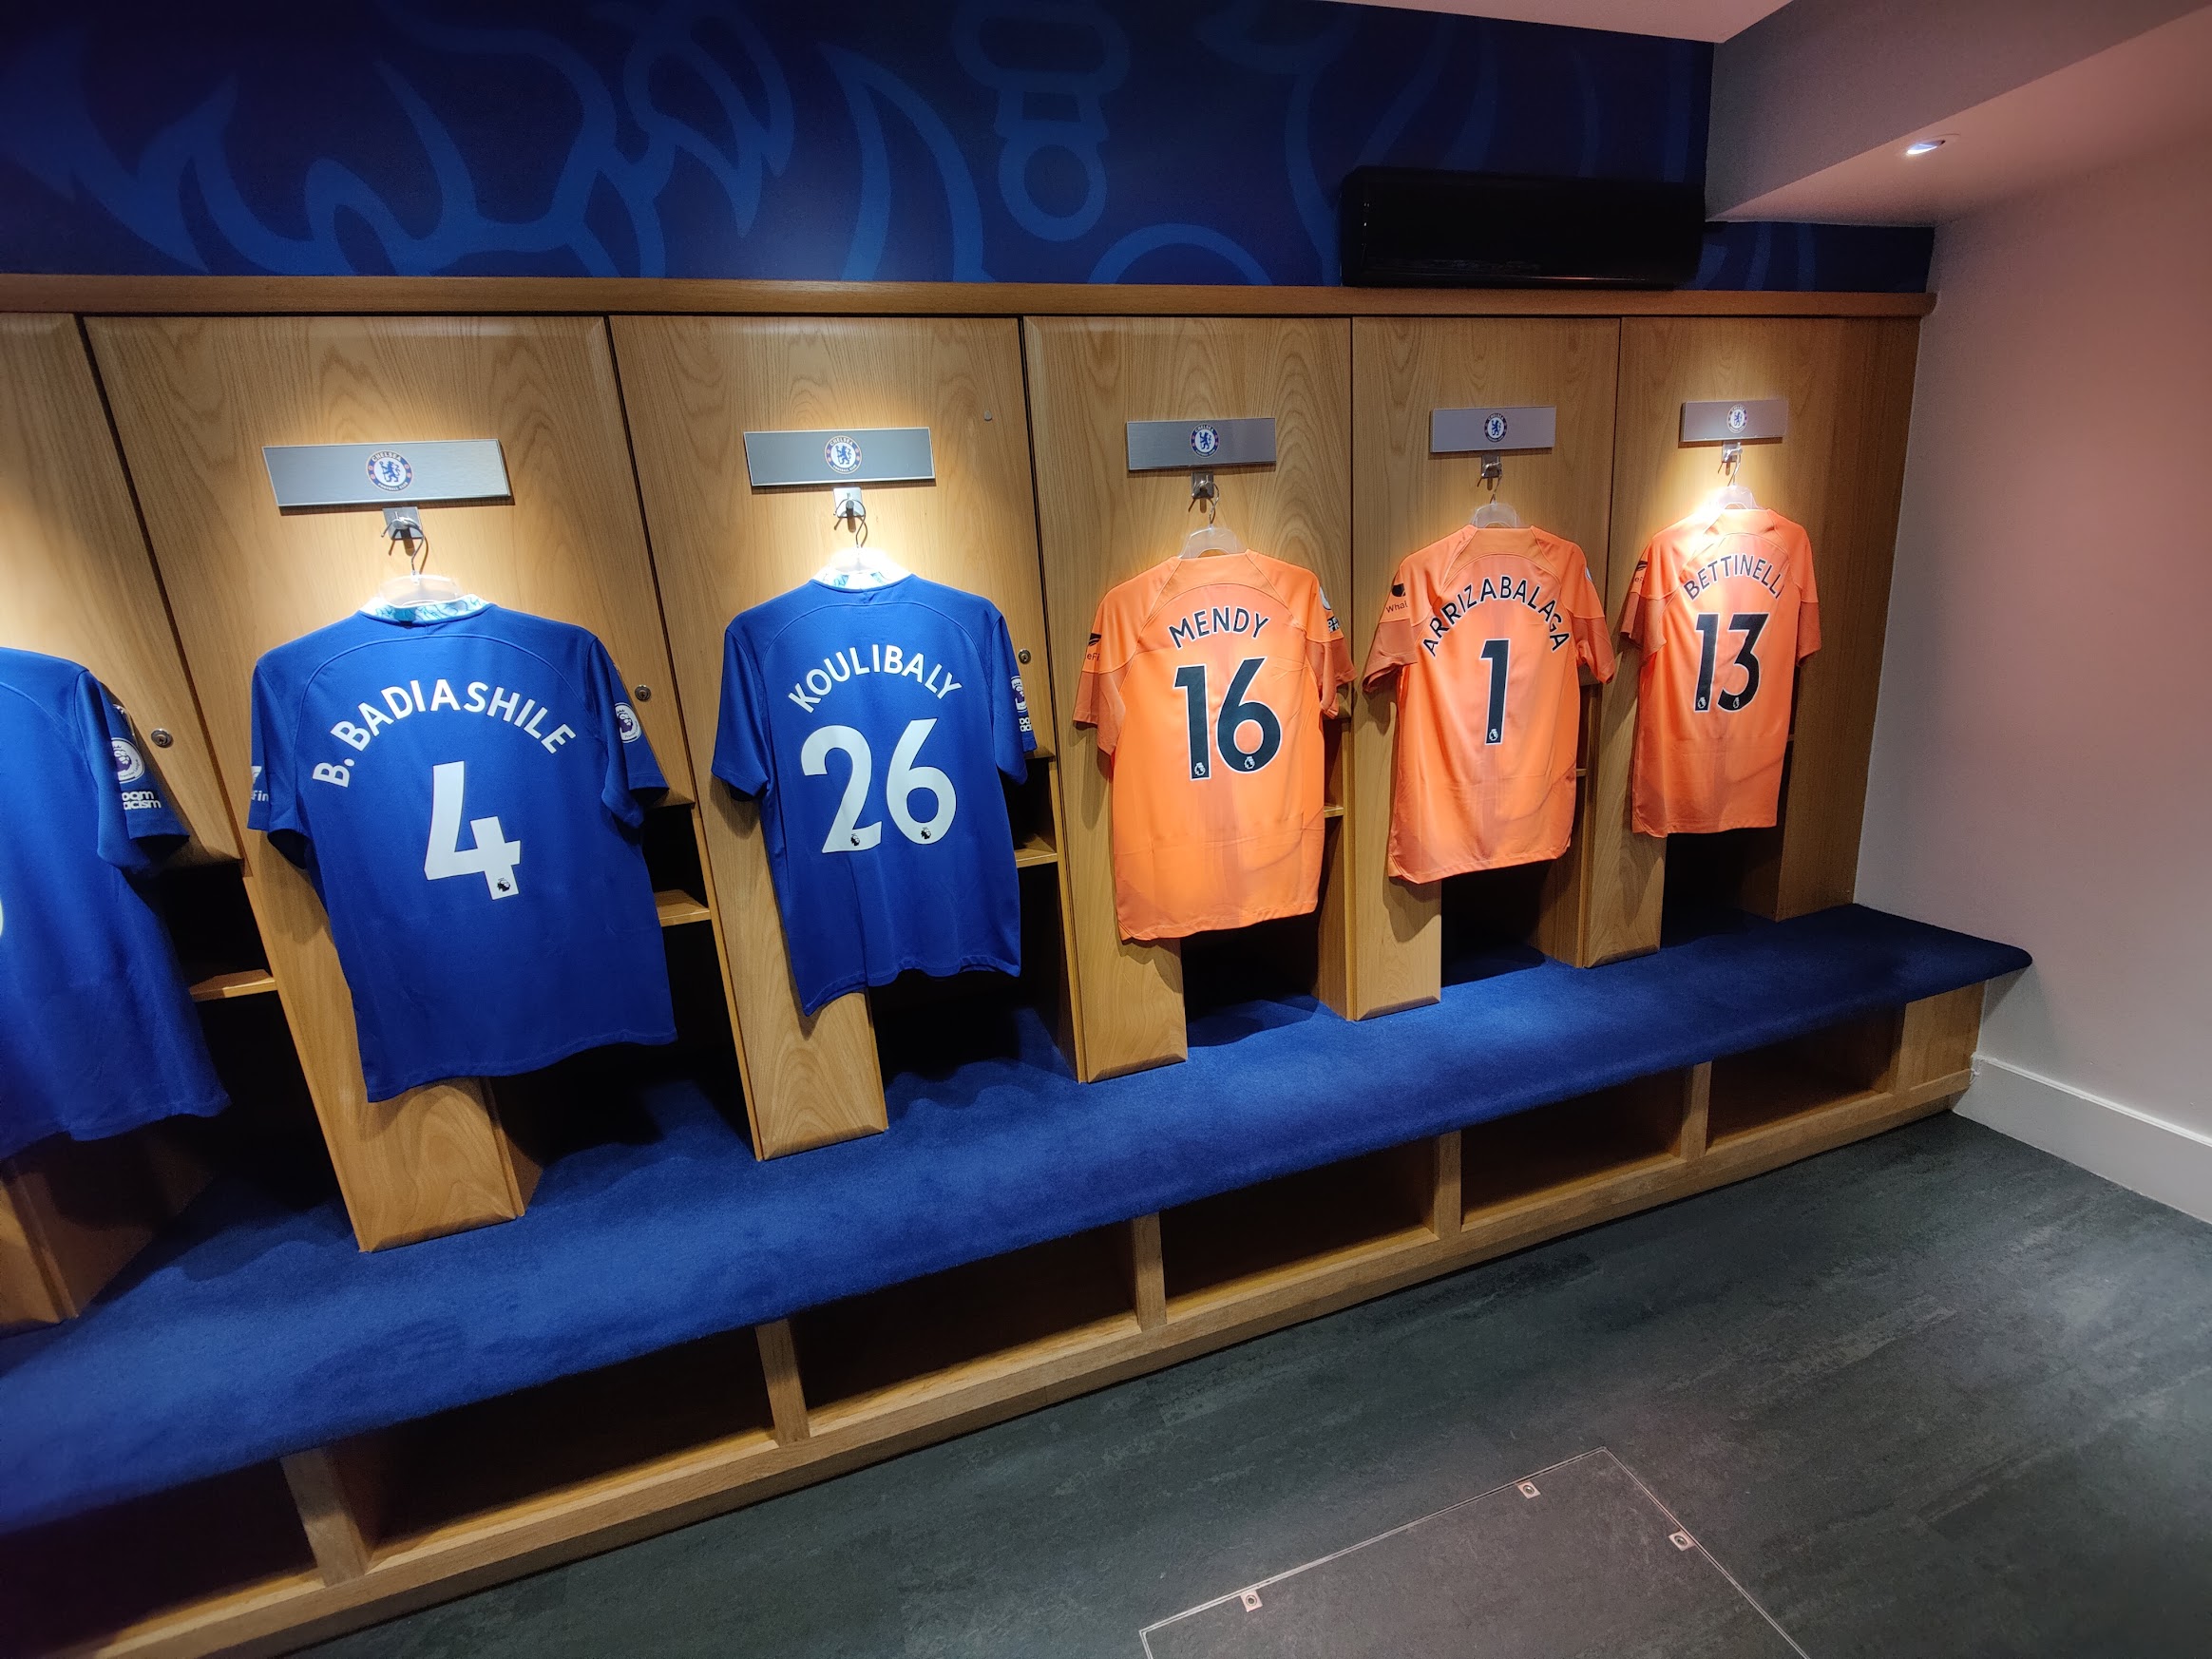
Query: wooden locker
1402, 499
1102, 523
195, 400
1839, 473
75, 580
693, 387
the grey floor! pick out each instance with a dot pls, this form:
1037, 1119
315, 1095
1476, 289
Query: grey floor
1933, 1393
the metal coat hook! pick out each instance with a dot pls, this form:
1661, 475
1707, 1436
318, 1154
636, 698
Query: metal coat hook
852, 513
1731, 455
404, 528
1203, 488
1493, 470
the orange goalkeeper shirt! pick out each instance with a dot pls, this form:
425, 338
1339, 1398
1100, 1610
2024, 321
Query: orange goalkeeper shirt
1207, 680
1486, 630
1724, 606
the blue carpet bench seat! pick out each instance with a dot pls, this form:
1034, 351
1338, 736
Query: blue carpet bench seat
251, 1330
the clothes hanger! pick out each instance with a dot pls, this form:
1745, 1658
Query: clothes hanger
1213, 536
859, 566
416, 589
1494, 513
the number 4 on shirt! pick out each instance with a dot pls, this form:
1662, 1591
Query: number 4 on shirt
493, 857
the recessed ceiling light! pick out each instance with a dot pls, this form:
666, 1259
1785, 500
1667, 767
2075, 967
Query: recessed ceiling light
1926, 146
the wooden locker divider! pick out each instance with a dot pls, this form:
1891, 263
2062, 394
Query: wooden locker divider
1102, 524
1839, 474
1402, 499
195, 400
693, 386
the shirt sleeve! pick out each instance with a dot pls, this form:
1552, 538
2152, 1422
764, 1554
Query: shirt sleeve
275, 808
137, 827
1642, 615
1098, 692
741, 747
1593, 639
1012, 737
1809, 600
632, 770
1331, 653
1394, 646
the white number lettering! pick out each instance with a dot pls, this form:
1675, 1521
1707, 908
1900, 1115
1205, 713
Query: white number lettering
906, 778
493, 857
847, 833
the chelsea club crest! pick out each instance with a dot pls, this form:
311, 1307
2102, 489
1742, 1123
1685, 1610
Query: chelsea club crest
390, 470
1204, 440
842, 453
1494, 429
1739, 417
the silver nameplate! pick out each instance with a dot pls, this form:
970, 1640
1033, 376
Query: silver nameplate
840, 455
1487, 431
1739, 421
368, 475
1200, 446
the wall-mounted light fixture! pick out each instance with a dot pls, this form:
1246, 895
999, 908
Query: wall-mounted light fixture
1926, 146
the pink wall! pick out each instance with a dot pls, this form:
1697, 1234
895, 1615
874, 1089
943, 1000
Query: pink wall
2042, 765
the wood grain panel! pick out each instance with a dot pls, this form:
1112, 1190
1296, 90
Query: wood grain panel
360, 295
73, 1213
1838, 473
1405, 498
1102, 523
28, 1295
1937, 1036
693, 387
779, 1369
195, 401
1861, 454
75, 580
333, 1531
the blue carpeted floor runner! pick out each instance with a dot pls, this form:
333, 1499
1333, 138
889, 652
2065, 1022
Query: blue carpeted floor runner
251, 1329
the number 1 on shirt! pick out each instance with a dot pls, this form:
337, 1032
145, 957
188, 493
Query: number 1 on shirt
1498, 654
493, 857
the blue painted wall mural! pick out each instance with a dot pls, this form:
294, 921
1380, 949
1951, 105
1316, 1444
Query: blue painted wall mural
1013, 139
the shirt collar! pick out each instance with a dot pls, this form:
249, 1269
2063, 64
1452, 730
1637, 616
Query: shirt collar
437, 611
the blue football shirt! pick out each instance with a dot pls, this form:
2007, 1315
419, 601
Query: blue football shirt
873, 724
461, 784
98, 1034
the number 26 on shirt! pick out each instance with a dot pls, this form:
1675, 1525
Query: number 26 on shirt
903, 782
